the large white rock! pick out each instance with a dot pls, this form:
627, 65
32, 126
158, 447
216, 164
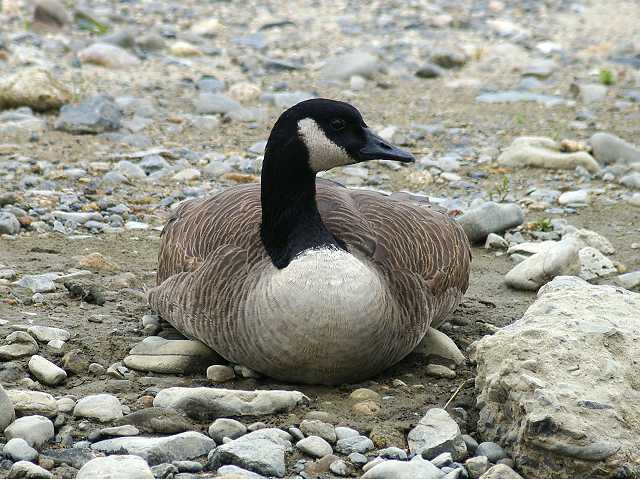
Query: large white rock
158, 450
103, 407
414, 469
116, 467
436, 433
541, 152
36, 430
45, 371
559, 388
561, 258
210, 402
33, 402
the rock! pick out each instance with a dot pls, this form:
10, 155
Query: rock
444, 459
46, 372
108, 56
343, 67
20, 344
35, 430
541, 152
500, 471
156, 420
414, 469
244, 91
491, 450
208, 402
430, 70
75, 361
490, 218
224, 427
184, 49
579, 197
627, 280
45, 334
7, 411
75, 457
9, 224
96, 261
436, 433
318, 428
437, 344
207, 27
477, 466
632, 180
345, 432
593, 264
220, 374
211, 103
439, 371
33, 87
284, 100
17, 449
261, 452
351, 444
591, 238
27, 403
126, 430
168, 356
103, 407
495, 241
446, 58
340, 468
608, 149
515, 96
235, 472
116, 467
158, 450
96, 114
27, 470
314, 446
540, 69
562, 258
590, 92
393, 453
39, 283
51, 12
547, 398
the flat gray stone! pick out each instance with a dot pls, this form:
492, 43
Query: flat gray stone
491, 450
20, 344
177, 356
436, 433
318, 428
348, 445
490, 218
210, 402
28, 403
158, 450
116, 467
260, 451
96, 114
103, 407
224, 427
608, 149
17, 449
44, 334
35, 430
156, 420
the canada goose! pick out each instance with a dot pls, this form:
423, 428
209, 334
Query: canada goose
304, 280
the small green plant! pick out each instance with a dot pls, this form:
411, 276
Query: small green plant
543, 224
606, 77
520, 119
501, 190
87, 23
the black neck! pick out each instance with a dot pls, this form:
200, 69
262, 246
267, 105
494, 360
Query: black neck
291, 222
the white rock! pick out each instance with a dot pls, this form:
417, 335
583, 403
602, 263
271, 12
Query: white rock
27, 470
33, 402
35, 430
66, 404
235, 472
314, 446
7, 411
157, 450
593, 264
116, 467
414, 469
343, 432
565, 372
541, 152
118, 431
38, 283
103, 407
351, 444
436, 433
228, 402
107, 55
170, 356
490, 217
46, 372
593, 239
33, 87
318, 428
225, 427
436, 343
501, 471
632, 180
574, 197
17, 449
627, 280
218, 373
561, 258
19, 344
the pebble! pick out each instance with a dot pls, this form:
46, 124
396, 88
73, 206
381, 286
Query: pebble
314, 446
490, 217
343, 432
609, 149
436, 433
7, 411
225, 427
167, 356
20, 344
126, 430
351, 444
33, 87
343, 67
501, 471
472, 444
318, 428
235, 472
495, 242
28, 403
17, 449
156, 420
45, 334
116, 467
38, 283
627, 280
158, 450
437, 344
103, 407
580, 197
393, 453
108, 56
27, 470
632, 180
430, 70
416, 468
218, 373
477, 466
439, 371
540, 152
96, 114
491, 450
9, 224
46, 372
35, 430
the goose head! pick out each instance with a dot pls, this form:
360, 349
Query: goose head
330, 134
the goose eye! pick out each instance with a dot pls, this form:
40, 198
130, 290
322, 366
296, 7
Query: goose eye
338, 124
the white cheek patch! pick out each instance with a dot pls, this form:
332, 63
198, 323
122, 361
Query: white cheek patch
324, 154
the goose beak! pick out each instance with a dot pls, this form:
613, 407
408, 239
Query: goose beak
376, 148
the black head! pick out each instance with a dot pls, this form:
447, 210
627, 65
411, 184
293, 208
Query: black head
333, 133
